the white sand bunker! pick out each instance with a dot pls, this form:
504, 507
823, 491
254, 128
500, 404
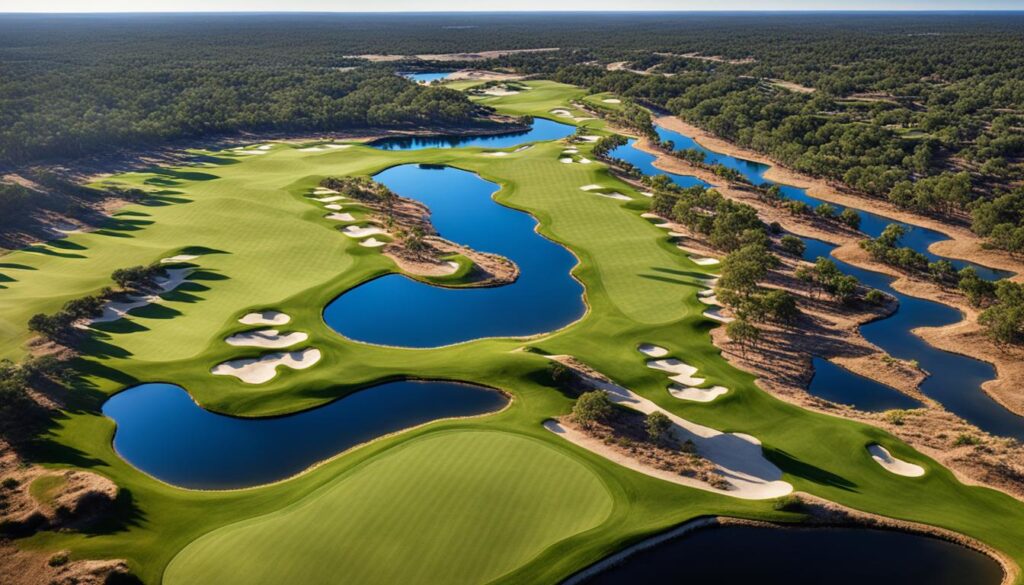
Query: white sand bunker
696, 394
882, 456
647, 194
265, 318
372, 243
356, 231
178, 258
523, 147
264, 368
271, 338
313, 149
114, 310
681, 371
340, 217
330, 199
716, 315
614, 195
324, 191
251, 152
590, 138
333, 207
264, 147
499, 153
612, 101
591, 187
705, 261
571, 151
565, 160
651, 350
708, 297
562, 113
339, 146
737, 457
585, 161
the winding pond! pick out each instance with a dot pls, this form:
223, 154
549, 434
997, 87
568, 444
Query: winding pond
954, 380
541, 129
397, 310
740, 555
163, 432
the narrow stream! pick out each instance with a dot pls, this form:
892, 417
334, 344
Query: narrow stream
954, 380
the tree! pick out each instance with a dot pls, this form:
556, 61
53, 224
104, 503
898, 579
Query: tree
743, 334
658, 426
792, 245
1004, 320
851, 218
591, 407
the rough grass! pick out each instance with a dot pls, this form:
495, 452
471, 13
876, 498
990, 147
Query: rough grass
275, 251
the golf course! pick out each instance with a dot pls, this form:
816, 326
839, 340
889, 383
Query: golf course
278, 301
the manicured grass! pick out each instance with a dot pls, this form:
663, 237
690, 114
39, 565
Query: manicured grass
45, 487
447, 508
274, 250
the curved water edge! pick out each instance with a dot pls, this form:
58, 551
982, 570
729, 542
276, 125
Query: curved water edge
164, 433
949, 374
395, 310
541, 129
705, 551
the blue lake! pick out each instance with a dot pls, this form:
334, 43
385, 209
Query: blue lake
540, 130
428, 76
954, 380
396, 310
740, 555
163, 432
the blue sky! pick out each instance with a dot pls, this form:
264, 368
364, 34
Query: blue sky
477, 5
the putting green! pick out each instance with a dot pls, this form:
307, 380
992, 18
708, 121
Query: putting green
445, 508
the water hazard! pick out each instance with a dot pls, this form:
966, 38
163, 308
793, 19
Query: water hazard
163, 432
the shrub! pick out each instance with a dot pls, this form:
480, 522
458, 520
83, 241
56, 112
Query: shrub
966, 439
850, 218
875, 297
792, 245
895, 416
591, 407
658, 426
790, 503
10, 483
59, 560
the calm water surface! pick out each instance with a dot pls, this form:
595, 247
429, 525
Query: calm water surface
741, 555
396, 310
427, 77
163, 432
541, 129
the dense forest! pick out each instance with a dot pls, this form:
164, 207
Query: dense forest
926, 110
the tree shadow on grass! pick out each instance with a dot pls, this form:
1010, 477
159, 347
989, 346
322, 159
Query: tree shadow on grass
802, 469
216, 160
155, 311
163, 201
183, 175
16, 266
120, 327
201, 250
112, 234
38, 249
679, 272
131, 214
208, 275
66, 245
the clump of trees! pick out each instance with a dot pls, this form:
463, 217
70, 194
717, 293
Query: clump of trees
20, 413
885, 248
60, 327
727, 224
592, 407
1001, 220
1004, 319
825, 277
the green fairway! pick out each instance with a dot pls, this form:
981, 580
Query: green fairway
447, 508
460, 501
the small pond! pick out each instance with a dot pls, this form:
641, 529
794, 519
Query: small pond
397, 310
427, 76
540, 130
163, 432
741, 555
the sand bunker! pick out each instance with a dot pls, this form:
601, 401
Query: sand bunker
716, 315
264, 368
372, 243
114, 310
264, 147
681, 371
499, 153
708, 297
571, 151
565, 160
265, 318
614, 195
882, 456
704, 261
356, 231
324, 191
499, 91
178, 258
271, 338
562, 113
591, 187
696, 394
251, 152
738, 457
590, 138
330, 199
339, 146
651, 350
612, 101
523, 147
585, 161
341, 217
333, 207
647, 194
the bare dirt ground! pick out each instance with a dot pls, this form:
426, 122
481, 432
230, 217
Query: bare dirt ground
480, 56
